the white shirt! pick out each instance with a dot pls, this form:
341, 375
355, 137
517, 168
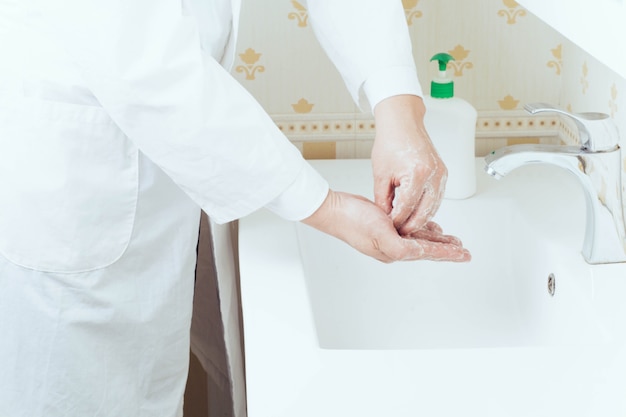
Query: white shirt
215, 24
117, 124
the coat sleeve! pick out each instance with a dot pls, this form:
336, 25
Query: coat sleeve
143, 62
369, 43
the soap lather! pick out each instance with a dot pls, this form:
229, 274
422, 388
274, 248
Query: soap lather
451, 124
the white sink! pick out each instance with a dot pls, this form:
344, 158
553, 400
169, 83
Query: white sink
330, 332
501, 298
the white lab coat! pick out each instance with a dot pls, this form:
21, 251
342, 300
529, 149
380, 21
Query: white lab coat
117, 124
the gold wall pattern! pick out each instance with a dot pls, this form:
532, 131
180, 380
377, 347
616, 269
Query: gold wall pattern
319, 150
557, 62
613, 100
512, 12
584, 82
459, 53
302, 106
250, 57
410, 12
508, 103
301, 14
493, 58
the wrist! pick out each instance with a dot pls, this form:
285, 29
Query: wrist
322, 216
400, 117
404, 105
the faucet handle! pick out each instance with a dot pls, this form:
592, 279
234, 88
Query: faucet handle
597, 131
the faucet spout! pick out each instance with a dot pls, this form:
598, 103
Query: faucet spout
597, 165
502, 161
599, 174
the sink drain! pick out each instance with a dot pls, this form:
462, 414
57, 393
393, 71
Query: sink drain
551, 284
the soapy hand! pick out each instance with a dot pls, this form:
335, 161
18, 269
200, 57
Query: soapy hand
409, 175
366, 227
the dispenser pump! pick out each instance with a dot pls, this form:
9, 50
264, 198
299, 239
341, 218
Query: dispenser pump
442, 86
451, 124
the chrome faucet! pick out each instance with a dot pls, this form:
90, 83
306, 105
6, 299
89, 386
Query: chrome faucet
597, 165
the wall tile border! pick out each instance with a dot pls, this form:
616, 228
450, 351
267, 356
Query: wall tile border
490, 124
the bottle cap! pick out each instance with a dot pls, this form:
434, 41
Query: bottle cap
442, 86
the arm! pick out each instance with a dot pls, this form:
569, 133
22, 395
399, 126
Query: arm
143, 62
369, 43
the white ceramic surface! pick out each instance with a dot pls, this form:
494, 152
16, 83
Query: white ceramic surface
332, 333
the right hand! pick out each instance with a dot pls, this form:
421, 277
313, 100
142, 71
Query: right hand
409, 175
366, 227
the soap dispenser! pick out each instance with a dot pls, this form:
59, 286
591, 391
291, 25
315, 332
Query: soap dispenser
451, 124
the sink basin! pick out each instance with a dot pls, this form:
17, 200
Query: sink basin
499, 299
527, 328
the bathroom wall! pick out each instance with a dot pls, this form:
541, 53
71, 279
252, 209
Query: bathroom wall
505, 57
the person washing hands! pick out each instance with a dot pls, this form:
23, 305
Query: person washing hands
118, 124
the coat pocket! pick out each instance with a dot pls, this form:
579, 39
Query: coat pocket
68, 186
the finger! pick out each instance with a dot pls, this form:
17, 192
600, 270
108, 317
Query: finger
428, 205
383, 194
433, 227
418, 249
435, 236
398, 248
407, 200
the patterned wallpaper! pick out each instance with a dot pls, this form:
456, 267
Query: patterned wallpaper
494, 42
505, 57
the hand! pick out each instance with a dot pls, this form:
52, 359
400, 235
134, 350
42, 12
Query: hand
364, 226
409, 175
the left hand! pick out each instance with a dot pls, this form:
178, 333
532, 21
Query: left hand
409, 175
364, 226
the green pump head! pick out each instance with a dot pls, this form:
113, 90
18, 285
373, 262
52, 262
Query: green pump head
442, 86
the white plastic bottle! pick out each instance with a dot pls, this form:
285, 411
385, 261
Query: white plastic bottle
451, 124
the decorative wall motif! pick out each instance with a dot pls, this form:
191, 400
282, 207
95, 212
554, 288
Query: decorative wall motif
613, 100
250, 57
557, 62
410, 12
493, 58
512, 12
301, 15
584, 82
508, 103
319, 150
459, 53
302, 106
